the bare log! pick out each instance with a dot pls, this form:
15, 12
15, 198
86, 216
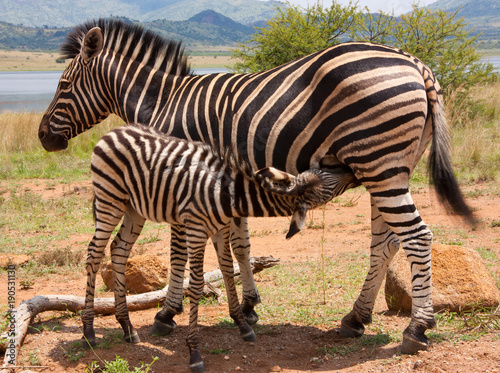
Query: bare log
29, 309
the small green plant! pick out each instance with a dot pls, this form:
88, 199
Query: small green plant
75, 351
34, 359
119, 365
110, 339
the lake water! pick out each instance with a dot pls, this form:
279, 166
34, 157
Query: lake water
33, 91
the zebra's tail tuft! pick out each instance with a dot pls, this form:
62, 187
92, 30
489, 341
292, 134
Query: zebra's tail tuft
440, 168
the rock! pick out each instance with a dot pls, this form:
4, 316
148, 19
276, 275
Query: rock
17, 260
143, 273
460, 280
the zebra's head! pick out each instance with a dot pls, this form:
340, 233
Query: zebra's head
76, 107
103, 78
312, 188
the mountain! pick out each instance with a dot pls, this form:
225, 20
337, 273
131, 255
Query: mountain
67, 13
483, 17
207, 28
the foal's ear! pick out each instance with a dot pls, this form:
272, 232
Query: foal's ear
92, 43
275, 175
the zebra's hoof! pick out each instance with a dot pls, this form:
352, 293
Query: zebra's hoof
196, 364
252, 317
161, 329
249, 336
412, 344
350, 328
133, 338
88, 343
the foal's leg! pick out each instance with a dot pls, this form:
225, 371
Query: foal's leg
107, 217
164, 323
196, 242
120, 250
240, 244
221, 243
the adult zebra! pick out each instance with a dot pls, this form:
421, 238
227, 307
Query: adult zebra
358, 108
139, 173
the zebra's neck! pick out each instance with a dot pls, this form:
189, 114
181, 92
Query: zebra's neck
138, 94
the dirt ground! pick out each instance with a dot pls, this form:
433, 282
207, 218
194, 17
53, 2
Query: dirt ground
282, 347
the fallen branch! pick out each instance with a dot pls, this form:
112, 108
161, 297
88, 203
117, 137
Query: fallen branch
29, 309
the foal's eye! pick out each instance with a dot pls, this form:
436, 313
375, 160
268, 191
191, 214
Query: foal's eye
64, 84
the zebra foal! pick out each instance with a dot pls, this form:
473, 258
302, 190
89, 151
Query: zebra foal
140, 174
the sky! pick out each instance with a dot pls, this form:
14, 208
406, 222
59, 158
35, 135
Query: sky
388, 6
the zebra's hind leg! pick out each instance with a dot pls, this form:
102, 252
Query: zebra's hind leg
107, 217
402, 216
120, 250
164, 323
240, 244
399, 212
383, 247
221, 243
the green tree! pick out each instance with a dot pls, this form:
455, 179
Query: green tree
442, 41
438, 38
295, 32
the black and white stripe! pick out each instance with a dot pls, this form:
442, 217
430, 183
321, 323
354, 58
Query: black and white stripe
141, 174
356, 108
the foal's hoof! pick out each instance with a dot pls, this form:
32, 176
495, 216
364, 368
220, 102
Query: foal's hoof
133, 338
88, 343
412, 344
350, 328
196, 364
249, 336
252, 317
161, 329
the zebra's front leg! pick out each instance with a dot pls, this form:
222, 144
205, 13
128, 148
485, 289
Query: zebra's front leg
164, 323
383, 247
120, 250
240, 244
221, 243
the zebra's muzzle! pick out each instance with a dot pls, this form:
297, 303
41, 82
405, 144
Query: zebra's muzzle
51, 141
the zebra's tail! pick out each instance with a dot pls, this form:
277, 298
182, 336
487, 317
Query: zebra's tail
440, 168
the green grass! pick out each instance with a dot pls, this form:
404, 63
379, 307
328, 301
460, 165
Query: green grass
297, 290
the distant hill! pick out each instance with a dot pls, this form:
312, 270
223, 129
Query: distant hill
67, 13
207, 28
483, 17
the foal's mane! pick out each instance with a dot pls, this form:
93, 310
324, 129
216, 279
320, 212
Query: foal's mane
169, 55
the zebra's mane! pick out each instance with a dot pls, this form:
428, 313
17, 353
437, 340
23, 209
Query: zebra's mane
166, 54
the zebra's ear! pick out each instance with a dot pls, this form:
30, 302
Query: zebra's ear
92, 43
275, 175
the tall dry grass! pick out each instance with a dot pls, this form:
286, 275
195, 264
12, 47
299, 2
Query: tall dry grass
475, 129
19, 133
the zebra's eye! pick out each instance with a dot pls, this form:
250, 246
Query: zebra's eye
64, 84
